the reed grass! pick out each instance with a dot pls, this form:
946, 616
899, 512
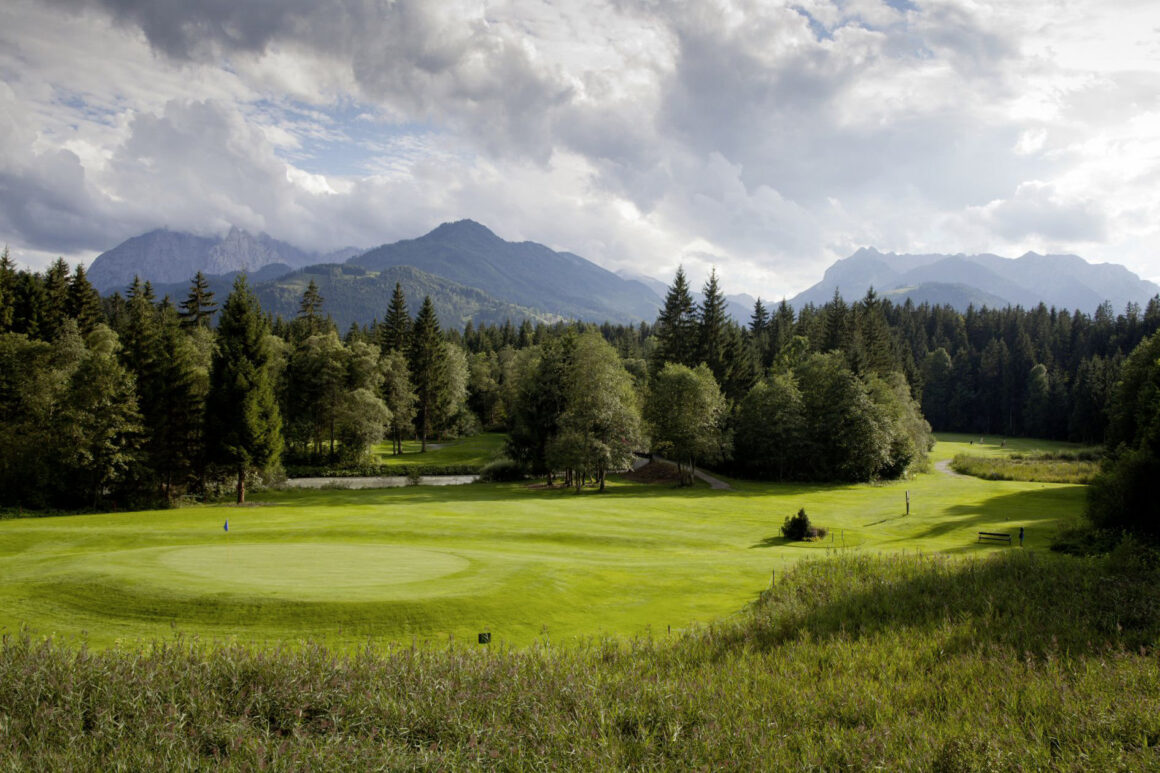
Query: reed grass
1016, 662
1044, 467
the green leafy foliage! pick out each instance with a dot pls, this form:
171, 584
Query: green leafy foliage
1123, 496
243, 424
685, 412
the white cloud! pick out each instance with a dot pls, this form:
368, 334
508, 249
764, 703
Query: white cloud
767, 138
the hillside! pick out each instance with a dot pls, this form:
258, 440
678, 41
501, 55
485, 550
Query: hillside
1062, 281
355, 294
523, 273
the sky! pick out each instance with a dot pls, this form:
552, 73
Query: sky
766, 139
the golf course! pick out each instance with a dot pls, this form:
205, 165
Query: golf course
520, 561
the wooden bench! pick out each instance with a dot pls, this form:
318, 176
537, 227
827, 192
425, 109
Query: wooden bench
994, 536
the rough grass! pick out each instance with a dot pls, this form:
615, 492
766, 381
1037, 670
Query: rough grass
1016, 662
432, 563
1044, 468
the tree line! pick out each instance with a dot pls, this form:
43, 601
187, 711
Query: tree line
131, 396
136, 400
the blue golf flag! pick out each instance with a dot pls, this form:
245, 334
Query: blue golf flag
227, 526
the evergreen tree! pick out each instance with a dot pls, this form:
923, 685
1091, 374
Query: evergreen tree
243, 425
712, 329
310, 307
937, 387
428, 369
141, 354
759, 321
176, 447
396, 329
876, 349
837, 329
56, 299
84, 302
198, 307
7, 291
676, 326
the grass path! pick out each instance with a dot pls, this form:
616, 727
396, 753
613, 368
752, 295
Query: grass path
393, 564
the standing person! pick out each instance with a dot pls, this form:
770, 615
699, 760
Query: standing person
1020, 536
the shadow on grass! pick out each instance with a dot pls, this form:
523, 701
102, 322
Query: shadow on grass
1038, 509
1032, 602
776, 541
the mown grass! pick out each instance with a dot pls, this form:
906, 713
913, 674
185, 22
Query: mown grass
472, 451
536, 560
1047, 467
1019, 661
432, 563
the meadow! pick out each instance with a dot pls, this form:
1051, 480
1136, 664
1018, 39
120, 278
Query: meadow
523, 563
336, 630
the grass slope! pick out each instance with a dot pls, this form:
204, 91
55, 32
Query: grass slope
431, 562
1025, 661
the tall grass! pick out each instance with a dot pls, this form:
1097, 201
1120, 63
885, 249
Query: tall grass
1042, 467
855, 662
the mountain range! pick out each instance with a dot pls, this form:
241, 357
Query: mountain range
162, 256
473, 274
1062, 281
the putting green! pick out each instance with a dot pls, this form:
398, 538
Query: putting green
519, 561
317, 570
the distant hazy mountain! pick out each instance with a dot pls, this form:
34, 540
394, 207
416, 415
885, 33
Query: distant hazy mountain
1063, 281
164, 257
524, 273
355, 294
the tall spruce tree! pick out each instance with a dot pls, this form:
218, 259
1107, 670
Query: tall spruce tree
310, 308
198, 307
56, 299
176, 447
243, 425
676, 326
428, 368
84, 302
395, 332
712, 329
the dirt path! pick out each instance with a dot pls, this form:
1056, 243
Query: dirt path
714, 483
945, 467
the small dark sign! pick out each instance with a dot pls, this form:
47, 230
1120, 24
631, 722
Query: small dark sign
485, 638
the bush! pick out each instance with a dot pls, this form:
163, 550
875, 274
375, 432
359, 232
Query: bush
502, 470
1122, 498
799, 528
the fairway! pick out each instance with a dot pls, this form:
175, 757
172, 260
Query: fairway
522, 562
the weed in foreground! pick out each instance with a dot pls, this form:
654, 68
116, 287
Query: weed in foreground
1016, 662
